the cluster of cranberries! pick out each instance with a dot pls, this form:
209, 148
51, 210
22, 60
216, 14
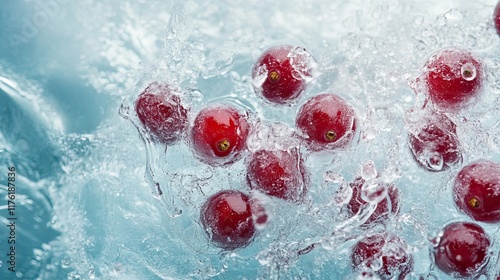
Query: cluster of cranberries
452, 77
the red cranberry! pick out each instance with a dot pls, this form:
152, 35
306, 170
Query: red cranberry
453, 77
326, 121
162, 113
382, 212
385, 254
435, 145
462, 250
219, 134
279, 69
277, 173
477, 191
227, 219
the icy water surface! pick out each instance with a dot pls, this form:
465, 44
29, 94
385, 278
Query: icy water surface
95, 199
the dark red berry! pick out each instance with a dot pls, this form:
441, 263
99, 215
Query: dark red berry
326, 121
385, 254
462, 249
496, 18
227, 219
453, 78
219, 134
162, 113
277, 173
278, 73
477, 191
434, 143
386, 207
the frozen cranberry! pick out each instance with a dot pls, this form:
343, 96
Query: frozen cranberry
477, 191
219, 134
277, 173
462, 249
277, 74
326, 121
434, 144
227, 219
453, 77
382, 212
162, 113
385, 254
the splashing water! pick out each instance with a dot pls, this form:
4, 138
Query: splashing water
97, 199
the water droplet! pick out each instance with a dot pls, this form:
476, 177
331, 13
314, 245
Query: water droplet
373, 192
369, 171
65, 263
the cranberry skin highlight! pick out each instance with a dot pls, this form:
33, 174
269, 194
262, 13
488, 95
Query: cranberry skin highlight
476, 191
453, 78
389, 249
219, 134
227, 219
326, 121
435, 145
462, 249
282, 83
277, 173
162, 113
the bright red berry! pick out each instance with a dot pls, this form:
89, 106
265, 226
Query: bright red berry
453, 77
278, 73
434, 143
462, 249
385, 254
277, 173
219, 134
477, 191
496, 18
227, 219
326, 121
386, 207
162, 113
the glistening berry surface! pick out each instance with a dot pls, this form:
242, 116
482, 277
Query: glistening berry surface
476, 190
278, 72
462, 249
453, 77
326, 121
218, 134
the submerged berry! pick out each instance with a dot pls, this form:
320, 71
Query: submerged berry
162, 113
326, 121
434, 144
219, 134
385, 254
387, 206
278, 73
227, 219
277, 173
462, 249
453, 77
477, 191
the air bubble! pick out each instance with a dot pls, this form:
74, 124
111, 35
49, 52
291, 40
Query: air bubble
373, 192
468, 71
435, 161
